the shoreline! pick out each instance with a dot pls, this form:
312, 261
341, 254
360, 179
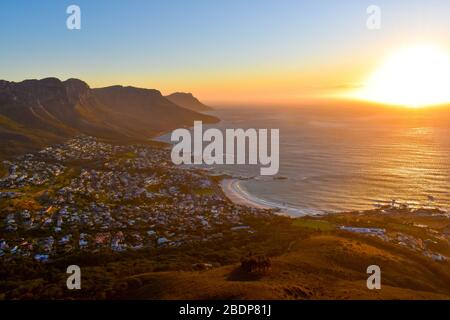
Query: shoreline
238, 195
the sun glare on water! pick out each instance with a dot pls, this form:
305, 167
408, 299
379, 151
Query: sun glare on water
412, 77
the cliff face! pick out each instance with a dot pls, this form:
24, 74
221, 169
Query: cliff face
188, 101
37, 103
34, 113
145, 109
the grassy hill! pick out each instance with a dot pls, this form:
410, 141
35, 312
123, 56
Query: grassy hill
321, 267
324, 264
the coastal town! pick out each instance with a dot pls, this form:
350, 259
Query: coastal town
87, 195
124, 210
142, 228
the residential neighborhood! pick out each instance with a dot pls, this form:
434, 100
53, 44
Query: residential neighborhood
87, 195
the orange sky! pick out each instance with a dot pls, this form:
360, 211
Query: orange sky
227, 52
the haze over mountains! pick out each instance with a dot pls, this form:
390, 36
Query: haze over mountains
188, 101
35, 113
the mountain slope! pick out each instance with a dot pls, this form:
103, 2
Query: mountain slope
188, 101
145, 109
35, 113
321, 267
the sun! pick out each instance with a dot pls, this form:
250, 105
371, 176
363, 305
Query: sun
414, 77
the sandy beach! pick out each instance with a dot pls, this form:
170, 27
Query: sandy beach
234, 190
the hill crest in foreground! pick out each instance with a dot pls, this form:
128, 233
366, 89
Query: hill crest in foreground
327, 266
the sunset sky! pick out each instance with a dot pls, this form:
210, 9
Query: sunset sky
234, 51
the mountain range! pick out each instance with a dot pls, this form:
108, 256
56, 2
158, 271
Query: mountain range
35, 113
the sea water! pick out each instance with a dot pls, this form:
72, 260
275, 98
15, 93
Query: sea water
343, 159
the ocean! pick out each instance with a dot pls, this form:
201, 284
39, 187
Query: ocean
342, 159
